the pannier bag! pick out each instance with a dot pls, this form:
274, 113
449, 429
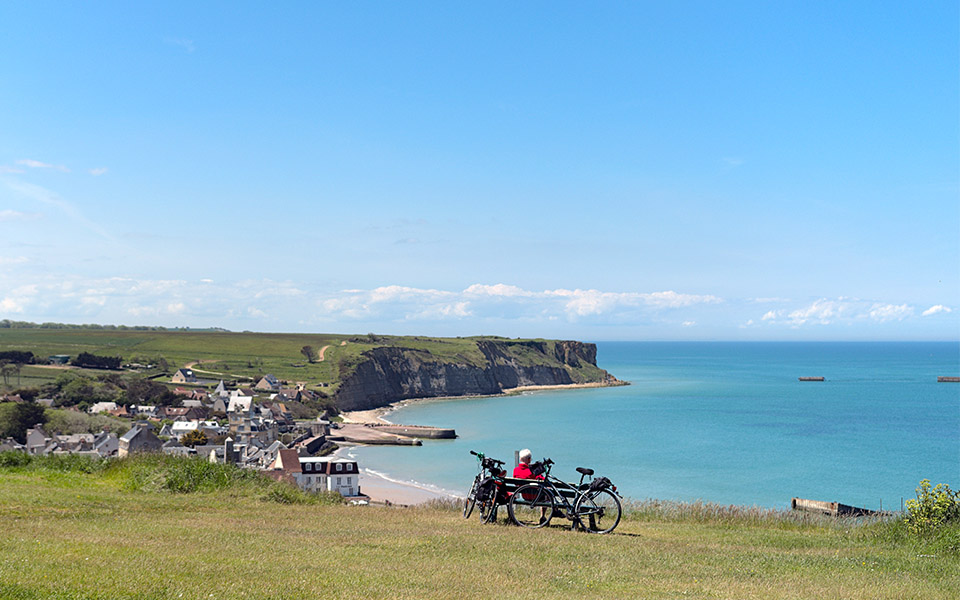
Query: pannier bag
488, 487
600, 483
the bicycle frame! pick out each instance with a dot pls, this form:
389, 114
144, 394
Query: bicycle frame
566, 498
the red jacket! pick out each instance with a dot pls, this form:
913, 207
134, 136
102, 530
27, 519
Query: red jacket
522, 471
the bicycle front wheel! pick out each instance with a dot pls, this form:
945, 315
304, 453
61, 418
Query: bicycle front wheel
531, 506
599, 511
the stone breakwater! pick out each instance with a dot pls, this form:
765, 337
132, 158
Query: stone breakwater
390, 374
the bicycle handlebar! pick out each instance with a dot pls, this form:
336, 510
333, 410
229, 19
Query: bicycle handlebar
476, 453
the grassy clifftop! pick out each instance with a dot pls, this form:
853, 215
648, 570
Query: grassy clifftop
247, 356
70, 534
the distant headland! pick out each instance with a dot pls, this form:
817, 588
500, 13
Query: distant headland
344, 372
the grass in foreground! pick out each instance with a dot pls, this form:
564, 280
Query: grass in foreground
68, 533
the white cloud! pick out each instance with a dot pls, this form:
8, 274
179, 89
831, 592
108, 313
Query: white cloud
825, 311
689, 323
36, 164
937, 308
98, 171
9, 305
5, 169
500, 301
13, 260
889, 312
500, 289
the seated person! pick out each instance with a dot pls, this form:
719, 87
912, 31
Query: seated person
522, 470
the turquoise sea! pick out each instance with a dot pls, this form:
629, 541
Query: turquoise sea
724, 422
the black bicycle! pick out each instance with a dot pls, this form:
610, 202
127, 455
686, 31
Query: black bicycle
490, 468
591, 505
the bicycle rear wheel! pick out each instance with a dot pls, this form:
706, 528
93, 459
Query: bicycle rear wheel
531, 506
598, 511
471, 500
488, 511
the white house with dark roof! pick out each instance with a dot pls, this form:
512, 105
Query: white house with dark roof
330, 475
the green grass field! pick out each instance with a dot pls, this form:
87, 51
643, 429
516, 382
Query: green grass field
230, 356
71, 535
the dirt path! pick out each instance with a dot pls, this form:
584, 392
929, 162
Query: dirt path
190, 365
320, 354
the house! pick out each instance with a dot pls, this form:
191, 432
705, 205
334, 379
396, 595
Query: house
143, 411
182, 428
311, 445
268, 383
78, 442
329, 474
59, 359
287, 394
45, 402
219, 404
181, 412
220, 390
138, 439
120, 411
175, 448
184, 376
270, 453
101, 407
11, 445
106, 444
37, 440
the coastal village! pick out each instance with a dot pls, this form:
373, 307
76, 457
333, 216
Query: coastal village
250, 427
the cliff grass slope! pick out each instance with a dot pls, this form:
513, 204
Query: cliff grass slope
359, 371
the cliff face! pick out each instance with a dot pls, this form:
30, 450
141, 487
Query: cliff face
389, 374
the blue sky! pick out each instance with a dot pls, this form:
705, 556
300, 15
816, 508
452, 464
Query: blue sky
602, 171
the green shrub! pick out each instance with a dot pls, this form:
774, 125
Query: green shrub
69, 463
13, 459
933, 508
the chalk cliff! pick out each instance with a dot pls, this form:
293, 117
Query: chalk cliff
389, 374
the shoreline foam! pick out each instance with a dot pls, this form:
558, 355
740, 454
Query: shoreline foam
377, 415
383, 489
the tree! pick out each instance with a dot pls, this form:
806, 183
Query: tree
7, 370
309, 353
194, 438
17, 417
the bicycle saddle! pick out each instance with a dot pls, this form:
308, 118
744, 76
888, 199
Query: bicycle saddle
585, 471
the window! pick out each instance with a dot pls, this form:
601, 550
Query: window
338, 482
349, 467
339, 467
307, 467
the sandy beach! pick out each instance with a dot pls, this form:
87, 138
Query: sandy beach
378, 415
387, 491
